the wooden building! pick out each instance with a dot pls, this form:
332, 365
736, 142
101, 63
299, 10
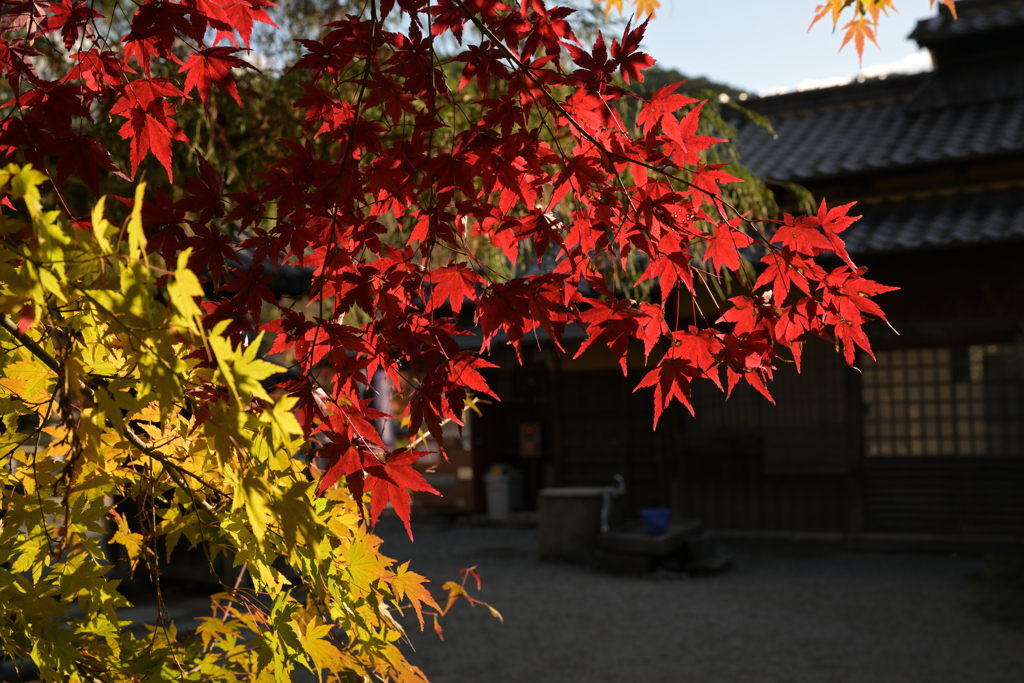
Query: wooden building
930, 438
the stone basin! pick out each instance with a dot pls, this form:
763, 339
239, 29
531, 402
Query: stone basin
569, 521
633, 540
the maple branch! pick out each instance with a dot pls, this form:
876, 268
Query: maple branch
520, 66
34, 348
337, 178
511, 56
89, 391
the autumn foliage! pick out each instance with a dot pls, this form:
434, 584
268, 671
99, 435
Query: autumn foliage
462, 166
863, 22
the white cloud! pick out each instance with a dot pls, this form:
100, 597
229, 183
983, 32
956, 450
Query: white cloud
915, 62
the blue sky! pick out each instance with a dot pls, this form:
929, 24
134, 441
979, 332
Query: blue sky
763, 45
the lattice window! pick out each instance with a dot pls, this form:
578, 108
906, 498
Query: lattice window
950, 401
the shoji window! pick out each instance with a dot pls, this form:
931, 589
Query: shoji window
946, 401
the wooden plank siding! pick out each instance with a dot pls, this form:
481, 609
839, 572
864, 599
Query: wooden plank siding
977, 495
607, 430
763, 504
799, 465
749, 464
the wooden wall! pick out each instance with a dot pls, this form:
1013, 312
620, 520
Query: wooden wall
749, 464
976, 495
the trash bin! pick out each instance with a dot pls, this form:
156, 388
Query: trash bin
504, 492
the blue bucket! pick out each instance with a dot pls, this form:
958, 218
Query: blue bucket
655, 520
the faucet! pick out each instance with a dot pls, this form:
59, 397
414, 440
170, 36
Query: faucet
606, 499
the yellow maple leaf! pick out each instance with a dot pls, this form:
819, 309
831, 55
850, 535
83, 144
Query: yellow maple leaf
857, 30
609, 4
643, 7
646, 7
407, 584
365, 564
323, 653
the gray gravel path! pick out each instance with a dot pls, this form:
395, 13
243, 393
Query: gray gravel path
787, 618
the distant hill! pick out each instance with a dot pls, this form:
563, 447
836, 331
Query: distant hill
656, 78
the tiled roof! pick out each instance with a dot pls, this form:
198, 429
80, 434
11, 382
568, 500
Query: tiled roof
986, 80
937, 222
973, 17
876, 134
971, 108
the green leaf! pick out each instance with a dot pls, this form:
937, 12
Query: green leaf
365, 564
136, 235
182, 291
299, 524
25, 185
323, 653
254, 492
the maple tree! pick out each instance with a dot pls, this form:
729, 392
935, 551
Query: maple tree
516, 171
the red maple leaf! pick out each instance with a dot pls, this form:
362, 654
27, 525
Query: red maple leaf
723, 247
151, 126
86, 156
206, 192
480, 63
626, 55
463, 370
663, 103
795, 320
344, 460
699, 347
786, 268
426, 404
670, 269
683, 143
833, 222
210, 249
155, 27
20, 16
152, 129
802, 235
592, 66
287, 329
388, 476
70, 18
652, 326
748, 313
845, 299
547, 28
241, 16
249, 209
617, 322
99, 69
391, 481
454, 284
213, 66
705, 181
670, 379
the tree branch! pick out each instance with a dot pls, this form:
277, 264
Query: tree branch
173, 470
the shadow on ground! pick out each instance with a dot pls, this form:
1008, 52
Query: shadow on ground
820, 617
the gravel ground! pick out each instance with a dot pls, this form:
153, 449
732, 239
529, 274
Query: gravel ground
788, 618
